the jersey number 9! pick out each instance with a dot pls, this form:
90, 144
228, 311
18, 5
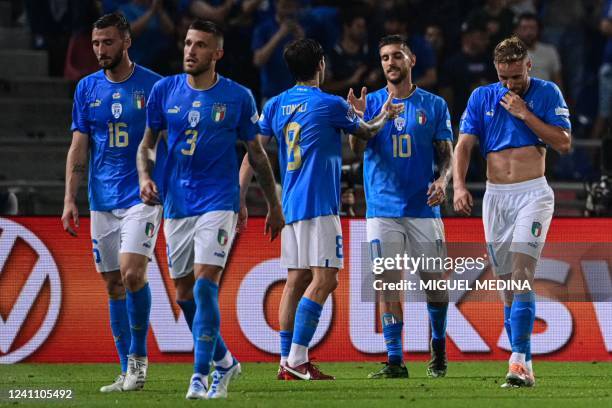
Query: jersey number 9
401, 146
294, 152
116, 136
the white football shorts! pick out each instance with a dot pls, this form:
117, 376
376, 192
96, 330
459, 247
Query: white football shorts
315, 242
125, 230
516, 218
203, 239
415, 237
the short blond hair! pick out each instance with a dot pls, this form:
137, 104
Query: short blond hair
510, 50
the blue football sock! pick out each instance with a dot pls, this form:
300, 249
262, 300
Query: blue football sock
205, 323
306, 321
120, 326
139, 308
220, 349
188, 307
522, 318
507, 325
437, 319
392, 332
285, 341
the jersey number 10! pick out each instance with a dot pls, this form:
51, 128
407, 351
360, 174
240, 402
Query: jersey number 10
401, 146
116, 136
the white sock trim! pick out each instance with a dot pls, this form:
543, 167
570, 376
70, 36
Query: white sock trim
226, 361
298, 355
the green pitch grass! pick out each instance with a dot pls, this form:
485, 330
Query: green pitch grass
471, 384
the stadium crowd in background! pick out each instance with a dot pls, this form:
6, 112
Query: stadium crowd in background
569, 41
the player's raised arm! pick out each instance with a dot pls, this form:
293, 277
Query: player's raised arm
359, 106
76, 167
145, 163
555, 136
259, 162
462, 201
390, 110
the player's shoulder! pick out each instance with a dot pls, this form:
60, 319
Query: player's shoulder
91, 80
544, 86
429, 98
147, 73
234, 88
485, 91
169, 82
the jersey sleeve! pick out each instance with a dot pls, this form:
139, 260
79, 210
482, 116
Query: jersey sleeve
444, 130
265, 120
342, 116
471, 120
557, 113
247, 126
155, 111
371, 109
79, 109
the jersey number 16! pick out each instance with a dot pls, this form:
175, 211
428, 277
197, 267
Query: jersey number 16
117, 137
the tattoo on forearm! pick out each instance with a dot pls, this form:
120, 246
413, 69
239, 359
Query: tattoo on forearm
444, 152
259, 162
78, 168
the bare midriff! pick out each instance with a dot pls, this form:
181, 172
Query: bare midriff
515, 165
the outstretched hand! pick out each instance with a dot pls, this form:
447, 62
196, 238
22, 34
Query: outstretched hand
358, 104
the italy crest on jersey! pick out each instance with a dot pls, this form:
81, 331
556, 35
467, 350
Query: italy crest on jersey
139, 99
218, 112
421, 117
536, 229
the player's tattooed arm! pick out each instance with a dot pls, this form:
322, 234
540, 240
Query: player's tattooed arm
258, 160
145, 163
436, 194
444, 153
390, 110
76, 168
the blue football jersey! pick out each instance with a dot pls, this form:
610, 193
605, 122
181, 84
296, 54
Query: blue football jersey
497, 129
203, 128
398, 163
113, 114
307, 124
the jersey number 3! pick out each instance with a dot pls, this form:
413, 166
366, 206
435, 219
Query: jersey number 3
294, 152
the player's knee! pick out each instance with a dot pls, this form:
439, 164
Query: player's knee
329, 282
299, 281
184, 287
133, 279
115, 288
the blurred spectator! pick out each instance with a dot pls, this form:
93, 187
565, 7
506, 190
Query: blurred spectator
214, 10
544, 58
269, 39
110, 6
563, 27
604, 113
350, 62
424, 71
466, 70
496, 17
435, 37
519, 7
152, 33
8, 202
